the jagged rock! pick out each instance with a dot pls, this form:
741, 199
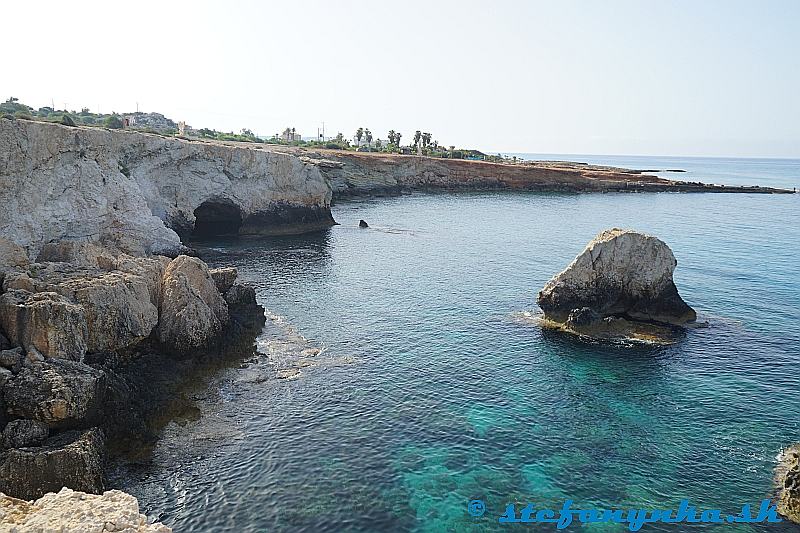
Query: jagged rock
80, 253
60, 393
11, 358
23, 433
224, 278
363, 224
71, 459
619, 273
12, 255
193, 312
788, 479
46, 321
240, 295
33, 356
71, 511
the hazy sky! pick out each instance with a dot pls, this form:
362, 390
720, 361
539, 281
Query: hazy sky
601, 77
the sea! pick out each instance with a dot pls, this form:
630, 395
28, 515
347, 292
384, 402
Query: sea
402, 372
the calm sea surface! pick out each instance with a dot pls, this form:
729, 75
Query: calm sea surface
433, 387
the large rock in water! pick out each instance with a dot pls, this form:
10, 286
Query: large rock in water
788, 478
620, 273
193, 312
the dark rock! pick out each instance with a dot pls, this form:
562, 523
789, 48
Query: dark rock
788, 480
60, 393
224, 278
5, 344
239, 295
72, 459
11, 358
363, 224
23, 433
583, 317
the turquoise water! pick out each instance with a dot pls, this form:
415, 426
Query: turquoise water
433, 387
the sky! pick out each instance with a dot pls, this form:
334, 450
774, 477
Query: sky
679, 77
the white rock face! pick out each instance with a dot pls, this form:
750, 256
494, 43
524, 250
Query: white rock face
619, 273
130, 190
69, 511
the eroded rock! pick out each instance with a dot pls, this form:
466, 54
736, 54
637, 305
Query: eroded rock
620, 274
224, 278
59, 393
46, 321
788, 479
74, 511
71, 459
193, 312
23, 433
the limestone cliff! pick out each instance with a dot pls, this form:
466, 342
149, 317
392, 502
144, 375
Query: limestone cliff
137, 192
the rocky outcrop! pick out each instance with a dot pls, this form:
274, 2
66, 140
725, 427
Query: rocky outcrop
224, 278
135, 192
193, 312
69, 511
24, 433
70, 459
620, 275
367, 174
788, 481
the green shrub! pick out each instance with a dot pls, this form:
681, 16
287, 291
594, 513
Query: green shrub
113, 122
24, 115
67, 120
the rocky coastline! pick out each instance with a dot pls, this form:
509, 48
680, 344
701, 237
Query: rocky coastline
104, 312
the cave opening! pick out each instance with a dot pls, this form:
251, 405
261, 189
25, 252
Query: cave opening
216, 219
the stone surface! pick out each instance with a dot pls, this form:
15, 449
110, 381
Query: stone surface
46, 321
22, 433
5, 344
11, 254
224, 278
193, 312
131, 192
788, 480
70, 511
620, 273
60, 393
11, 358
72, 459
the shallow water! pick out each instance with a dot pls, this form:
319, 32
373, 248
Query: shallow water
430, 391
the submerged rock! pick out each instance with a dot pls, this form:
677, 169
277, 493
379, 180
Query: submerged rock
73, 511
621, 274
788, 479
71, 459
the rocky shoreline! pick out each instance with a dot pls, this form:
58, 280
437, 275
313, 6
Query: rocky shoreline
94, 345
103, 315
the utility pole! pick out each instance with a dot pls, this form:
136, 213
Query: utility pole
137, 107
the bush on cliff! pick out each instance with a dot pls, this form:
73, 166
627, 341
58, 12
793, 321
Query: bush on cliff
113, 122
67, 120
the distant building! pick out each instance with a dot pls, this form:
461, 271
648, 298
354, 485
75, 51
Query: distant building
291, 135
149, 121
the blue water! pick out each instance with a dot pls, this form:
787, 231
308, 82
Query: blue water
784, 173
432, 387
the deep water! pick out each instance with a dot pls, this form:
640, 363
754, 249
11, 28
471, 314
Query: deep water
432, 387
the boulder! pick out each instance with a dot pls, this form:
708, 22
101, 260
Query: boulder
74, 511
72, 459
240, 295
12, 255
224, 278
363, 224
620, 273
60, 393
75, 252
193, 312
788, 479
11, 359
118, 308
46, 321
23, 433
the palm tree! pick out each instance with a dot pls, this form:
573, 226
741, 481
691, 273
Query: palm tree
293, 133
368, 137
397, 139
391, 137
359, 134
426, 139
417, 136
